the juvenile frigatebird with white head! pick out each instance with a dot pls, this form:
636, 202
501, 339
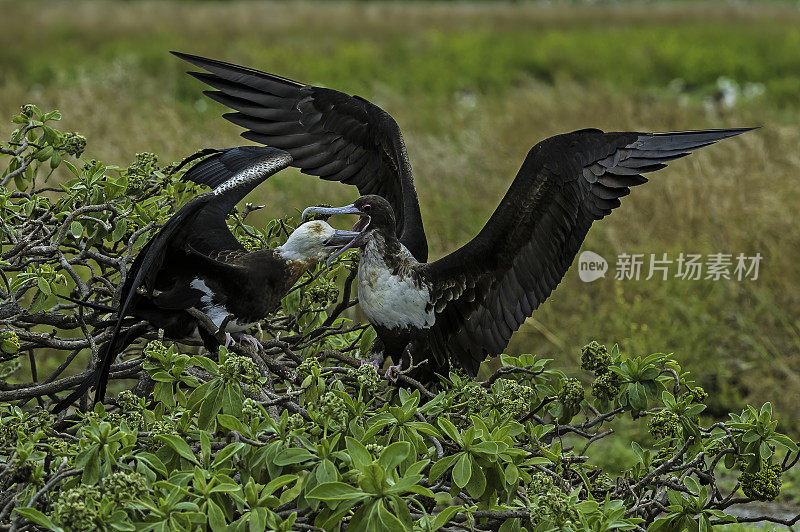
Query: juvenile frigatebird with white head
195, 261
465, 306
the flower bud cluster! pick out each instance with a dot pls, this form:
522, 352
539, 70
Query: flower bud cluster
571, 393
665, 424
332, 407
764, 485
73, 144
367, 378
515, 398
9, 342
237, 368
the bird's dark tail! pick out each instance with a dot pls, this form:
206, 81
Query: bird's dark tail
194, 156
98, 378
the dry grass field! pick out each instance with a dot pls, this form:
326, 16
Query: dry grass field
473, 87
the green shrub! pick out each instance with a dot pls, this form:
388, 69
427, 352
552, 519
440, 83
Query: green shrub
302, 433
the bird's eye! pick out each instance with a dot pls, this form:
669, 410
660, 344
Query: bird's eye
366, 208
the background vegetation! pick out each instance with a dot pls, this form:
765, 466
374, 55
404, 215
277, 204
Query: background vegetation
473, 86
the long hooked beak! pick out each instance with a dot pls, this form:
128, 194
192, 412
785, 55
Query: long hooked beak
347, 209
349, 238
341, 238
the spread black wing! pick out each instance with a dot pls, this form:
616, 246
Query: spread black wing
330, 134
197, 229
232, 173
486, 289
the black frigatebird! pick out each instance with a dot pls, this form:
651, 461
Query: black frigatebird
195, 261
465, 306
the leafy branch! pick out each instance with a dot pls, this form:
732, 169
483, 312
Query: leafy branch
299, 433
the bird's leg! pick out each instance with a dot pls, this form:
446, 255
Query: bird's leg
374, 363
229, 341
377, 359
252, 340
393, 373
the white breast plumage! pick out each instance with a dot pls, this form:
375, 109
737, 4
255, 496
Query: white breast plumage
391, 300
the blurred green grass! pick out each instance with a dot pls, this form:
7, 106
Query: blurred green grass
473, 87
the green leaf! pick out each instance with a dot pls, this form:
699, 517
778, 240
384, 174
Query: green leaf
447, 426
765, 451
206, 364
212, 404
446, 515
226, 453
216, 518
766, 412
233, 399
511, 474
489, 448
691, 484
76, 229
228, 487
358, 453
278, 483
388, 521
394, 455
205, 448
587, 507
231, 423
44, 286
179, 445
376, 424
668, 399
153, 462
695, 410
335, 491
119, 230
462, 471
91, 468
419, 490
373, 479
786, 441
72, 168
35, 516
44, 153
326, 472
477, 481
441, 466
292, 455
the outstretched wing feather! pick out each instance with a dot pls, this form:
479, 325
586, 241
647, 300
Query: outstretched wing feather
565, 184
307, 121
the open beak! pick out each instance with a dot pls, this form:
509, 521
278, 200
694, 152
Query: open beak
347, 239
341, 238
330, 211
